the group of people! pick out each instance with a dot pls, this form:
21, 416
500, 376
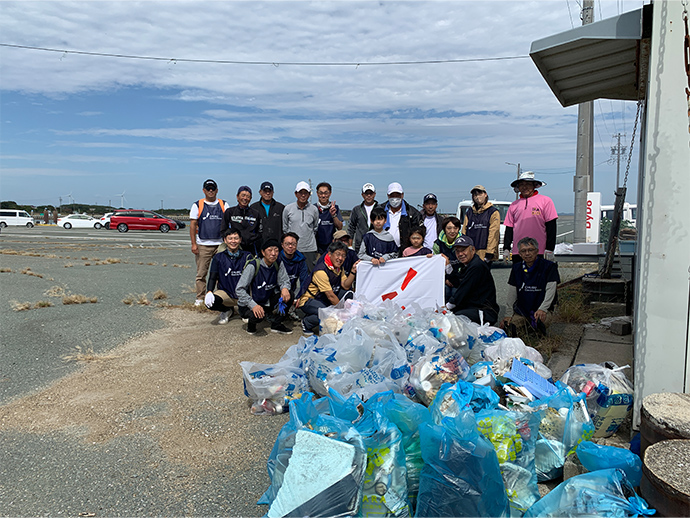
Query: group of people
272, 261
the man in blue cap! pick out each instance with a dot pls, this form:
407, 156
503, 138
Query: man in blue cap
475, 296
245, 219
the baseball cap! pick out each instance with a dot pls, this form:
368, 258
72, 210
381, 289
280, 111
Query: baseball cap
430, 197
266, 186
244, 188
339, 234
463, 241
477, 188
302, 186
269, 243
368, 187
395, 187
210, 185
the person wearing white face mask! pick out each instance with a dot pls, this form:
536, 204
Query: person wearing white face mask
401, 216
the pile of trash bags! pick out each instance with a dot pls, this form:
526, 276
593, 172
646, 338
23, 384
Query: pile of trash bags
430, 414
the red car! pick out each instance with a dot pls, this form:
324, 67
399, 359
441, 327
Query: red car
123, 220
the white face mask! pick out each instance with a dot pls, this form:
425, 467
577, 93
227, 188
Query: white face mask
324, 207
395, 202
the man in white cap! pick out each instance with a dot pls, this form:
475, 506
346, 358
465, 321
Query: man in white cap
359, 217
482, 222
401, 216
532, 215
302, 218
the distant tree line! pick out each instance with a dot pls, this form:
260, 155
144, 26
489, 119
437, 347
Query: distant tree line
80, 208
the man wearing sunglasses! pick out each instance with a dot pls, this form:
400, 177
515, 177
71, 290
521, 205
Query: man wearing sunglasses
205, 219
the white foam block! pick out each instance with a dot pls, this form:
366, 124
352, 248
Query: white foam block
316, 463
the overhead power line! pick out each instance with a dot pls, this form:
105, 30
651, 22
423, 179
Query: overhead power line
273, 63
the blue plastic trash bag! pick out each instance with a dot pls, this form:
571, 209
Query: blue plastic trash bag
384, 491
451, 400
407, 416
316, 466
514, 436
564, 425
606, 492
461, 475
594, 456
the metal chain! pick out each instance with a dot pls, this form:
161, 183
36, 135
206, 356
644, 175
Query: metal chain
632, 143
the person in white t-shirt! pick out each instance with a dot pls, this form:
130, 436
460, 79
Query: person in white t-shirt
205, 218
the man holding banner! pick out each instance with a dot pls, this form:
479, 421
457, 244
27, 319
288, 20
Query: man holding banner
475, 295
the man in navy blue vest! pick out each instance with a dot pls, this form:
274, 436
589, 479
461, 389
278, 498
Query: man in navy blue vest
330, 218
262, 285
296, 267
226, 268
205, 221
532, 296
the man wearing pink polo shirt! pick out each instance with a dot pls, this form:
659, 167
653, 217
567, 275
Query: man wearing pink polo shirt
531, 215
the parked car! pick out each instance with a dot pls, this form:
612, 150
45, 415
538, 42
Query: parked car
105, 220
124, 220
180, 224
19, 218
78, 221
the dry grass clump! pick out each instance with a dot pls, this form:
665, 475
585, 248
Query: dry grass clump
55, 291
189, 306
25, 306
181, 266
87, 355
152, 263
572, 306
159, 295
27, 271
68, 265
5, 270
111, 260
140, 299
78, 299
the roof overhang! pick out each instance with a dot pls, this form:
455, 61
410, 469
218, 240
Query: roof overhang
606, 59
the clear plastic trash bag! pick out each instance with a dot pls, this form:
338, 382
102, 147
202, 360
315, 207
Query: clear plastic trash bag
270, 387
434, 369
606, 492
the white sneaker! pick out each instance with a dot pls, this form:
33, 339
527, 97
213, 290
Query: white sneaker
224, 317
198, 302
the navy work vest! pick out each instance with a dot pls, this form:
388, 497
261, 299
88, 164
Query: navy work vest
210, 219
478, 226
230, 270
265, 283
377, 248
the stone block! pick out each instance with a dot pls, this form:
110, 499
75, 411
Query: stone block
621, 327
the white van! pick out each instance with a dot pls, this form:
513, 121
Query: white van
17, 218
502, 207
629, 212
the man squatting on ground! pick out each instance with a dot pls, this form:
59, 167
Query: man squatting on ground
328, 285
475, 296
205, 221
225, 272
261, 286
532, 295
295, 266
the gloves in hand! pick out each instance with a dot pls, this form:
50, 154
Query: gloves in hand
209, 299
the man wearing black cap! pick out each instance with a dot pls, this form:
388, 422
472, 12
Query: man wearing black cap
270, 213
432, 220
262, 285
245, 219
475, 296
205, 222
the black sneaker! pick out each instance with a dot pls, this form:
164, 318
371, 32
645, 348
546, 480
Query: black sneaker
305, 331
280, 328
251, 328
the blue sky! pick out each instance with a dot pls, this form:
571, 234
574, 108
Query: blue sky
96, 126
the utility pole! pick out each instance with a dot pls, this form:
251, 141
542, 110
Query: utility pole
617, 152
517, 195
584, 167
